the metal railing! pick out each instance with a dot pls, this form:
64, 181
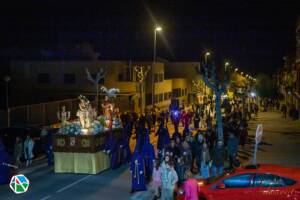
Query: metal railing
37, 114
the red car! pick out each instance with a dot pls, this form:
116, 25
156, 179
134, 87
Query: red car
259, 182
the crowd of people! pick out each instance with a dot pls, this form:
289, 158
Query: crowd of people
172, 159
196, 149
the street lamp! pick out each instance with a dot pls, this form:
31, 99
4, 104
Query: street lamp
236, 69
226, 65
156, 29
206, 55
7, 80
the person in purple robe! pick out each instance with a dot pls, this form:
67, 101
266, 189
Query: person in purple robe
124, 148
4, 161
163, 136
149, 157
138, 182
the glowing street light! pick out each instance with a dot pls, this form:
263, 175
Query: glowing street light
236, 69
226, 65
206, 55
156, 29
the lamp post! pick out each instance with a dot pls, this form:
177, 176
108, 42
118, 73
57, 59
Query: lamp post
226, 65
141, 75
206, 55
7, 80
156, 29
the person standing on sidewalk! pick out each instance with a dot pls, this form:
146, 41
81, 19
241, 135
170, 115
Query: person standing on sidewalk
218, 159
190, 187
169, 180
232, 148
156, 180
28, 150
18, 150
205, 161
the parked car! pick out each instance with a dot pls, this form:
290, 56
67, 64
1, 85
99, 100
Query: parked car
259, 182
9, 135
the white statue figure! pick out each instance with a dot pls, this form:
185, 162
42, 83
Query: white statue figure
63, 115
85, 113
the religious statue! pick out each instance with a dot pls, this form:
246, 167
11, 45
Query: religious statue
85, 113
107, 105
63, 115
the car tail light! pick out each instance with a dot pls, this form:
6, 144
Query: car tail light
201, 183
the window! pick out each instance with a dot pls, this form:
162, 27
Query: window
166, 96
156, 98
161, 97
43, 78
148, 99
161, 77
126, 75
176, 92
69, 78
288, 181
270, 180
239, 181
156, 78
185, 91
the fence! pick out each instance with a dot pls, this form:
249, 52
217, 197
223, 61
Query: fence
46, 113
38, 114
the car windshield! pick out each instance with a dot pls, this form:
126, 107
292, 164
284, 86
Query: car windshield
224, 174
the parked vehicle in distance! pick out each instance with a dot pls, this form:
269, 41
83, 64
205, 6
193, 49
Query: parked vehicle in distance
253, 182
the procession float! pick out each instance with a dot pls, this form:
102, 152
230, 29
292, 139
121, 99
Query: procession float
79, 145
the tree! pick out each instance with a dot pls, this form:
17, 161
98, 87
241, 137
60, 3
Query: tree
218, 87
265, 87
95, 80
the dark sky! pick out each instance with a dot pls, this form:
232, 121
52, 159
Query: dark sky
254, 34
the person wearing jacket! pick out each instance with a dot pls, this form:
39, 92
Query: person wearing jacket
190, 188
180, 169
18, 151
169, 179
232, 148
156, 179
198, 144
218, 159
205, 161
28, 150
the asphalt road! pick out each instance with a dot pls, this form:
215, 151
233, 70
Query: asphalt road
281, 140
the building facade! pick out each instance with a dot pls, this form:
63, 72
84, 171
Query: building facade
38, 81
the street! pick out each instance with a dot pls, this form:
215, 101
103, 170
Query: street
280, 146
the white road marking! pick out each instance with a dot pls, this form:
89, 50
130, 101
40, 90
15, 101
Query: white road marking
72, 184
46, 197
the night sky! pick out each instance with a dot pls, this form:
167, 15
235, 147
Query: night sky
253, 34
